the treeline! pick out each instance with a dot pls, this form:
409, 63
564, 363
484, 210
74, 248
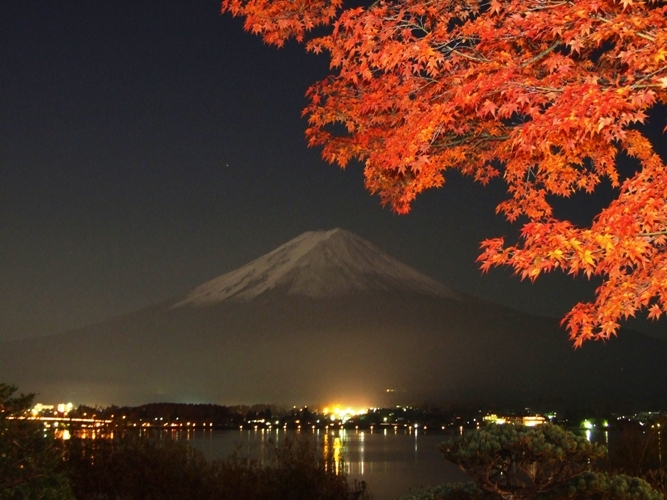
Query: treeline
218, 415
431, 417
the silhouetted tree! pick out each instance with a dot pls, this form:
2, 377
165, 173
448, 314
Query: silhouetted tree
545, 462
30, 459
641, 450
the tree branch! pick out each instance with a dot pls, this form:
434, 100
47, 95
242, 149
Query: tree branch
638, 33
541, 55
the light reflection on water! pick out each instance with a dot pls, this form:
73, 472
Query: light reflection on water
391, 463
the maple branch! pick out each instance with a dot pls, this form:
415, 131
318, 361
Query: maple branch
547, 7
648, 86
460, 42
656, 233
458, 140
451, 143
472, 58
542, 89
541, 55
409, 23
645, 77
638, 33
437, 133
495, 137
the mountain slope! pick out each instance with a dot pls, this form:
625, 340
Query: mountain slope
319, 264
328, 317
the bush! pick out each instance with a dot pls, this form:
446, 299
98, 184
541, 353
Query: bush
543, 463
129, 466
134, 467
448, 491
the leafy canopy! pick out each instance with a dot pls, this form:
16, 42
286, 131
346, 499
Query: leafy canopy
518, 461
545, 93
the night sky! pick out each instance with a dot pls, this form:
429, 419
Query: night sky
149, 146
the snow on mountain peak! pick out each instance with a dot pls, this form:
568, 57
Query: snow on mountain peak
318, 264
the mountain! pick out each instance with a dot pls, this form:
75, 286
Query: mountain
329, 317
318, 264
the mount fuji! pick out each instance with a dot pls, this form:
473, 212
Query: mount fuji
329, 317
322, 265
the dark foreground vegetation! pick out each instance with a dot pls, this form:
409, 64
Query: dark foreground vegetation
133, 467
504, 462
545, 462
34, 465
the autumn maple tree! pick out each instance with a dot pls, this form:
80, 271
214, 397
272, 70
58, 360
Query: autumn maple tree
545, 93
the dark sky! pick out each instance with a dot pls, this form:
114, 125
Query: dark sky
148, 146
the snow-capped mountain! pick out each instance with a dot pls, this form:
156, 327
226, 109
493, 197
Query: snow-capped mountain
318, 264
328, 317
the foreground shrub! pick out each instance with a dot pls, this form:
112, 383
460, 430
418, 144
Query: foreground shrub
543, 463
134, 467
448, 491
590, 486
129, 467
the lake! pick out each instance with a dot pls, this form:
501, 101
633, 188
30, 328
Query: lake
390, 462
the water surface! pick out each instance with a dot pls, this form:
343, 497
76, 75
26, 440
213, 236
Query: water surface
390, 462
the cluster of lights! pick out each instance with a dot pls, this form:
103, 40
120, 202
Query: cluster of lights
60, 408
589, 425
172, 425
528, 421
337, 412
